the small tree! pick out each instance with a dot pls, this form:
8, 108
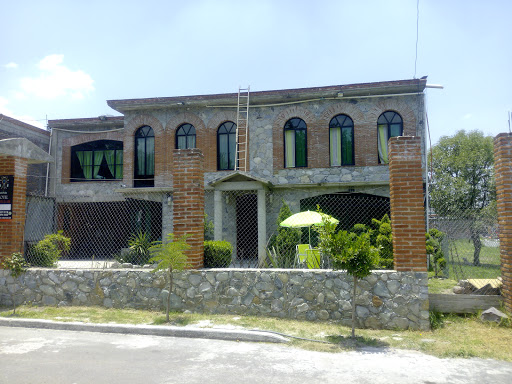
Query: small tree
170, 256
17, 266
463, 186
351, 252
283, 244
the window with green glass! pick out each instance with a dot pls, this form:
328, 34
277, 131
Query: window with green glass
295, 143
389, 124
341, 140
226, 146
97, 160
144, 173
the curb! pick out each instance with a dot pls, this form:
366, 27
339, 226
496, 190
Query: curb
151, 330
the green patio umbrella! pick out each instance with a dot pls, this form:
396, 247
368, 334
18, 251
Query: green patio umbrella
307, 219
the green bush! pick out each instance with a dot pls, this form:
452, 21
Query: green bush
138, 249
217, 254
282, 244
46, 252
437, 262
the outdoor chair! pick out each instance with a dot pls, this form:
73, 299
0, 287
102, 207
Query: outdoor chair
301, 255
313, 258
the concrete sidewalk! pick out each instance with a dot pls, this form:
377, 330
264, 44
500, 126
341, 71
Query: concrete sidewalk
150, 330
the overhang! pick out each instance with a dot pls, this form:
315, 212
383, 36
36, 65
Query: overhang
21, 147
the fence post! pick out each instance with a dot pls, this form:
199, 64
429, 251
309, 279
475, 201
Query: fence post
503, 174
188, 202
407, 204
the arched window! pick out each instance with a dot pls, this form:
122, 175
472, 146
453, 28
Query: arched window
341, 140
295, 143
144, 175
389, 125
186, 136
226, 146
97, 160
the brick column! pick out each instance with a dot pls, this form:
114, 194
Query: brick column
188, 201
407, 207
503, 172
11, 231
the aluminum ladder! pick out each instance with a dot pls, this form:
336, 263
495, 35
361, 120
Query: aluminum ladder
242, 129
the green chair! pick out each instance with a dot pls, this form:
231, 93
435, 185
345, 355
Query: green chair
301, 254
313, 258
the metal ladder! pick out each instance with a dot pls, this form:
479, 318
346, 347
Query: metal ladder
242, 129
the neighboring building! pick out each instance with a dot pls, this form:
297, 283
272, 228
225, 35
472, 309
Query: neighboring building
10, 129
309, 146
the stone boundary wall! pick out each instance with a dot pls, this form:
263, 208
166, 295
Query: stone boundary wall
385, 299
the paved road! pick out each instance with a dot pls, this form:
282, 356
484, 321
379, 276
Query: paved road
49, 356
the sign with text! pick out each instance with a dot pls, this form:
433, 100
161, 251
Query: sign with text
6, 192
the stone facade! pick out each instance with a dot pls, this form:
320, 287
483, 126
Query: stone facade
385, 299
269, 111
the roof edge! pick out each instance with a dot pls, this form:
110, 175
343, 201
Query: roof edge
283, 95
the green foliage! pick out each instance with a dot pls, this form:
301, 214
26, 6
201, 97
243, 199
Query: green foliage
463, 185
283, 243
381, 237
436, 320
17, 266
435, 253
139, 244
354, 253
48, 251
351, 252
217, 254
383, 240
170, 256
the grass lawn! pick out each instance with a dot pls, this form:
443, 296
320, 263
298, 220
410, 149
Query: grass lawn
460, 261
455, 336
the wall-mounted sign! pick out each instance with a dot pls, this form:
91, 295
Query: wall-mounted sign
6, 189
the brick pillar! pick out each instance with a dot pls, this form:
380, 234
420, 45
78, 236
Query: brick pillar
503, 172
407, 207
188, 201
11, 231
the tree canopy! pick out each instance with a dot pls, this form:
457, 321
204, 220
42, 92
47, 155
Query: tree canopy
462, 186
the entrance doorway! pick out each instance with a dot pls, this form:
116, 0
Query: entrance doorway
247, 229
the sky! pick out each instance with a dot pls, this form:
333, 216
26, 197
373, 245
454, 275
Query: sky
64, 59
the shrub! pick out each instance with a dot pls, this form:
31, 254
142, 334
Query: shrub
46, 252
138, 249
437, 262
282, 245
217, 254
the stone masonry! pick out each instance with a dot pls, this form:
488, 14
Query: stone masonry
385, 299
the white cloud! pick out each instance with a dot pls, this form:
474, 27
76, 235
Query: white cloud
4, 110
11, 65
57, 80
468, 116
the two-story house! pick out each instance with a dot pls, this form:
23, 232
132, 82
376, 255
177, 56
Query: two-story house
322, 146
